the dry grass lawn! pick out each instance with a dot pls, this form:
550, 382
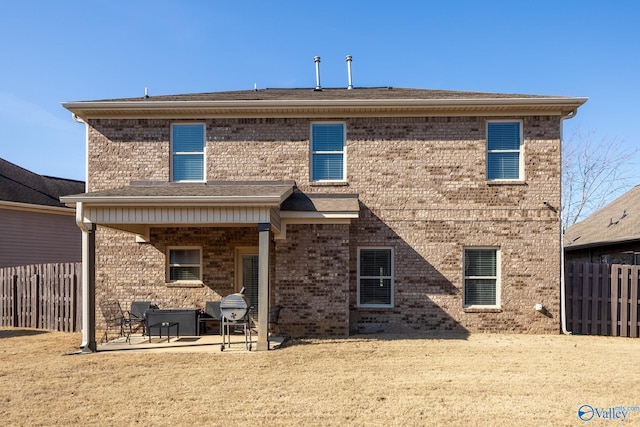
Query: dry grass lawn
374, 380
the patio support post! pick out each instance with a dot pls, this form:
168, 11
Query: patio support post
88, 288
264, 230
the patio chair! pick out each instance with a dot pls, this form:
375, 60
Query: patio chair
115, 319
136, 314
211, 313
274, 316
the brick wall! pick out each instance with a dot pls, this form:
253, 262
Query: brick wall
421, 184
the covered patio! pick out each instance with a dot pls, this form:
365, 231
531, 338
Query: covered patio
141, 207
199, 344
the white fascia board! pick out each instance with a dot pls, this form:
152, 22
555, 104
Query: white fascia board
38, 208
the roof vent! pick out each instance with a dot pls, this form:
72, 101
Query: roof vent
349, 72
316, 59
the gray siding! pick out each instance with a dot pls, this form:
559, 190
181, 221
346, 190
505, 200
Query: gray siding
34, 237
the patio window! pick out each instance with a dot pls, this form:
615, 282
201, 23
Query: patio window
481, 277
504, 151
328, 155
375, 277
187, 152
185, 264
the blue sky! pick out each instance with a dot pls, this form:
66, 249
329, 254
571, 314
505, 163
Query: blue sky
57, 51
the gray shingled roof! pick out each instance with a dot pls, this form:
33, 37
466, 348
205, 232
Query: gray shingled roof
22, 186
329, 102
279, 193
617, 222
328, 94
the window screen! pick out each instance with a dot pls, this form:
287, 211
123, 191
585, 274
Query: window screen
375, 277
327, 152
503, 150
184, 264
187, 152
480, 277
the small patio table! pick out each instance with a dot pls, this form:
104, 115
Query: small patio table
167, 325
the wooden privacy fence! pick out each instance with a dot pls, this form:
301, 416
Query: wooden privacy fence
602, 299
44, 296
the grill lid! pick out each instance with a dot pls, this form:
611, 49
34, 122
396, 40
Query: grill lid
234, 306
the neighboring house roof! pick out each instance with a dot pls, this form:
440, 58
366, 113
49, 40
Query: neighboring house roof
326, 103
18, 185
617, 222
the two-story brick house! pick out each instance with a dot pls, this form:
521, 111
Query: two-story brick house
356, 210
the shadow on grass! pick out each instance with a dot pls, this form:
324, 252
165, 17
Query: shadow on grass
15, 333
462, 335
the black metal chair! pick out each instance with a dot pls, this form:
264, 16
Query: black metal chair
274, 317
211, 313
136, 314
115, 319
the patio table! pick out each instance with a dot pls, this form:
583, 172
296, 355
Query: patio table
167, 325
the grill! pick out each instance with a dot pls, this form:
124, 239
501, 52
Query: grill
234, 309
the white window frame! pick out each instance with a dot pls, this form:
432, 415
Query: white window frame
203, 153
520, 151
497, 277
169, 265
343, 152
391, 277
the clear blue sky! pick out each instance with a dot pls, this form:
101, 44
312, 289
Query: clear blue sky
57, 51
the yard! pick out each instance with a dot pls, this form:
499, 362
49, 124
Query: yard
484, 379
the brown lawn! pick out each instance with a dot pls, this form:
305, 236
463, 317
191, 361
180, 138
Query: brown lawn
484, 379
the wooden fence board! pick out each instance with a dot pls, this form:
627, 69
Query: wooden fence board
44, 296
603, 299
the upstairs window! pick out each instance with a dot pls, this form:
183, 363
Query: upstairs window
328, 152
481, 278
185, 264
504, 151
375, 277
187, 152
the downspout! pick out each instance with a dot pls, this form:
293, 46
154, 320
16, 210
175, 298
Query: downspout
563, 296
86, 148
88, 298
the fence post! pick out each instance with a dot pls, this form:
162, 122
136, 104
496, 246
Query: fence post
15, 300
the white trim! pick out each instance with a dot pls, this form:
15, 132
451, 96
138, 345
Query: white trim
343, 152
498, 276
521, 151
17, 206
392, 277
204, 152
168, 263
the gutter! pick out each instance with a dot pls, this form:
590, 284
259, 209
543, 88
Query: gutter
563, 293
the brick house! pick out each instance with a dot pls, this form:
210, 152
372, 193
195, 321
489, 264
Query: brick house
356, 210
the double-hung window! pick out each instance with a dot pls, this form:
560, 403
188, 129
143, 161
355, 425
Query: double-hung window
328, 154
184, 264
504, 151
481, 277
375, 277
187, 152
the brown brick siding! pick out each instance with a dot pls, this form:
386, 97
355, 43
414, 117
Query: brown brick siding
421, 183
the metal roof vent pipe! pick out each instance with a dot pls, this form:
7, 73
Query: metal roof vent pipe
349, 72
316, 59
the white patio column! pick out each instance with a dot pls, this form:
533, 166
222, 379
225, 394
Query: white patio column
88, 288
264, 230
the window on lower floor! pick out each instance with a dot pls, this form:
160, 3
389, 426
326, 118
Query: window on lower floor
185, 264
481, 277
375, 277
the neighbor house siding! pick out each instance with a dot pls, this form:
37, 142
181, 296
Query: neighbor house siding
29, 237
422, 186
